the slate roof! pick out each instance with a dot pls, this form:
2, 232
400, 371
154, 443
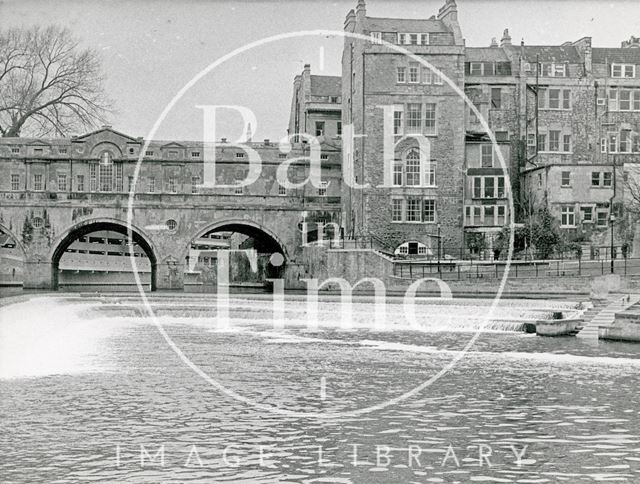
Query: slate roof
550, 53
608, 55
375, 24
326, 85
485, 54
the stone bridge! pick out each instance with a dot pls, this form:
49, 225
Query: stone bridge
47, 218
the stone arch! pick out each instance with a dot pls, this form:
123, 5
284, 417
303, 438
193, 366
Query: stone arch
5, 229
85, 227
246, 227
270, 241
113, 148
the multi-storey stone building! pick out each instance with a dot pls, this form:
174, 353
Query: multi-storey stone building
565, 118
420, 196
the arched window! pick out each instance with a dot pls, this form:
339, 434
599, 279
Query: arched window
412, 168
106, 158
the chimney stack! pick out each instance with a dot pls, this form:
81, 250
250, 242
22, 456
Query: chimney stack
506, 38
494, 42
448, 15
361, 11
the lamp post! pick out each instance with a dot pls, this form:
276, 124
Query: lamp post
612, 219
439, 246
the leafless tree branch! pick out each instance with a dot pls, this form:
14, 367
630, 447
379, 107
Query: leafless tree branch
48, 83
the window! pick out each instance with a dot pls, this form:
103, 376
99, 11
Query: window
282, 190
240, 154
324, 156
477, 187
37, 223
413, 118
15, 182
171, 224
475, 68
80, 183
501, 215
282, 156
568, 217
239, 190
554, 140
15, 149
587, 214
397, 122
93, 177
413, 168
531, 144
413, 209
62, 183
542, 142
38, 151
430, 118
118, 167
424, 39
401, 75
130, 184
397, 174
487, 156
625, 141
429, 210
376, 37
613, 99
322, 189
500, 187
427, 76
613, 143
339, 128
595, 178
396, 210
554, 98
402, 39
148, 153
602, 218
105, 176
171, 185
565, 179
606, 179
496, 98
431, 173
624, 100
489, 187
414, 73
195, 184
195, 154
132, 151
414, 39
62, 151
623, 70
319, 128
37, 182
489, 212
151, 185
566, 143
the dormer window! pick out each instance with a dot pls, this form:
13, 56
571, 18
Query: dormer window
623, 70
406, 38
376, 37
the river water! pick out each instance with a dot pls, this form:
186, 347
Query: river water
92, 391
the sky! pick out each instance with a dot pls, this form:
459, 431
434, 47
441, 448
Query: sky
152, 48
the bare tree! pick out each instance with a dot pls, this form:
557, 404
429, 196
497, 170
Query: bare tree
48, 84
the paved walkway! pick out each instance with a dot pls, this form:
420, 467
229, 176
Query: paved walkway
606, 316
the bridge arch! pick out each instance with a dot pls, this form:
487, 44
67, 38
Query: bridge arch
4, 229
265, 241
85, 227
246, 227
